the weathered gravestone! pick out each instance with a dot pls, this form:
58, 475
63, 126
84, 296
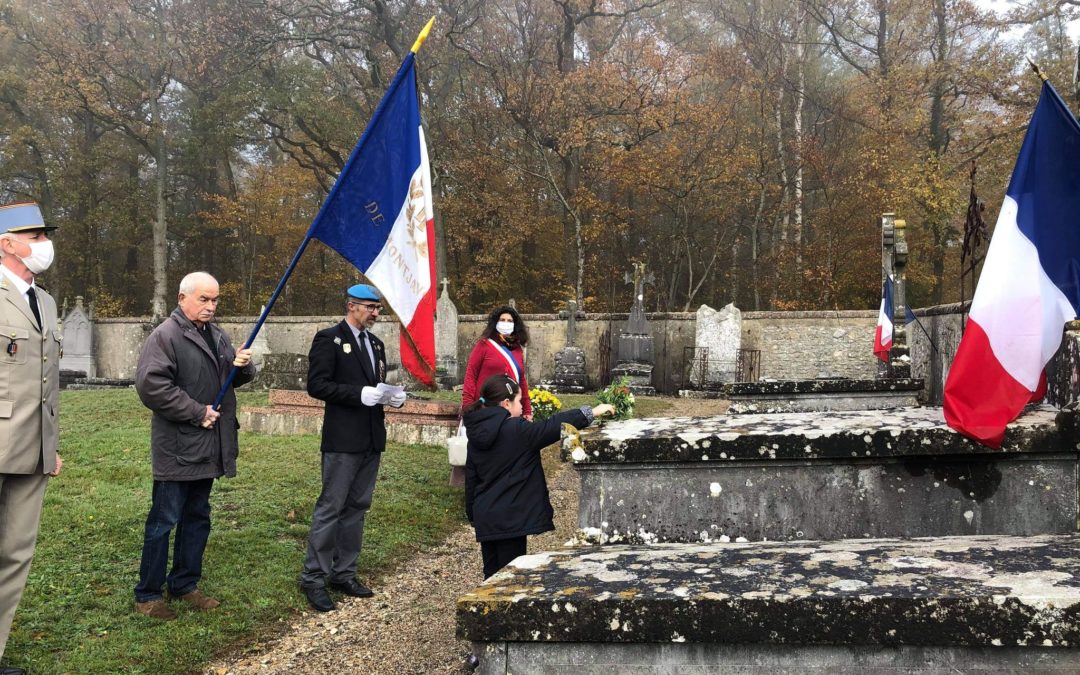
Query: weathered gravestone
635, 344
446, 339
717, 338
570, 374
78, 353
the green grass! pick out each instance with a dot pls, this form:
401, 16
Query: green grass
76, 615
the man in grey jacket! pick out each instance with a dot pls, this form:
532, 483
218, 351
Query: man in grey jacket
183, 365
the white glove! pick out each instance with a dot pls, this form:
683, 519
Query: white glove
369, 396
398, 400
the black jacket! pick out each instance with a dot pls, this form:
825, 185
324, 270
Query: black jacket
337, 371
506, 495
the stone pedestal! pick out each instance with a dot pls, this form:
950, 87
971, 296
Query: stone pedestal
638, 377
570, 375
895, 473
294, 412
283, 371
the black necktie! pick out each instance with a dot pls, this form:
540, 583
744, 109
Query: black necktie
365, 347
32, 295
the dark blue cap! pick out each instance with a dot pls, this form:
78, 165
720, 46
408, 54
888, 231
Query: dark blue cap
364, 292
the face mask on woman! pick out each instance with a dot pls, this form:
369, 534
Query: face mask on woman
505, 327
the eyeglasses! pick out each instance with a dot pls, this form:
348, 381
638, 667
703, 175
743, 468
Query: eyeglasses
369, 307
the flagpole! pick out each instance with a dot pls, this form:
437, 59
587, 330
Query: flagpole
307, 238
263, 315
422, 36
916, 320
1035, 67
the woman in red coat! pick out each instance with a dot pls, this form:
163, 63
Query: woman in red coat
499, 352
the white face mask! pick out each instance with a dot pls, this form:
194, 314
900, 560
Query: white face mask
40, 258
505, 327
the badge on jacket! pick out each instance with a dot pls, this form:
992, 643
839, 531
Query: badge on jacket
347, 348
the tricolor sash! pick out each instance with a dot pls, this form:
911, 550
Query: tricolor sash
506, 354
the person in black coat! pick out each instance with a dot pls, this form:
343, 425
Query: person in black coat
345, 365
506, 495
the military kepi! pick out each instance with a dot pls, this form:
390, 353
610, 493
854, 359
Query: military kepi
364, 292
22, 217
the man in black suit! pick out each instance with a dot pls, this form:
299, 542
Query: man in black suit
345, 364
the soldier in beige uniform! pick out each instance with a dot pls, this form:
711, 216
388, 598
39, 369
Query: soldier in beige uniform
29, 393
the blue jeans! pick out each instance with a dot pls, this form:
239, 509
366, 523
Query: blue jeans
184, 505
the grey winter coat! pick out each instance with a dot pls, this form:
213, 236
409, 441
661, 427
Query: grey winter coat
177, 377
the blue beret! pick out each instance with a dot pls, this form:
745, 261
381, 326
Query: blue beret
364, 292
22, 217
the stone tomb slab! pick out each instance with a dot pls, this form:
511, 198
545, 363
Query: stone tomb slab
932, 605
823, 476
825, 394
422, 421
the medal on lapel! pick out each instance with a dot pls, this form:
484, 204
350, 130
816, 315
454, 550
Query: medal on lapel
12, 347
382, 370
347, 348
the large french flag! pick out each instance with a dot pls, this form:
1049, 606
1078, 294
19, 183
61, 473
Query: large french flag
1029, 283
379, 217
883, 332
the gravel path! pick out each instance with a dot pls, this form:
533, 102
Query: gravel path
408, 627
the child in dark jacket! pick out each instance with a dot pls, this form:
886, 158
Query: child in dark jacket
506, 495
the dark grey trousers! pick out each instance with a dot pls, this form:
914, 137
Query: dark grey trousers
337, 526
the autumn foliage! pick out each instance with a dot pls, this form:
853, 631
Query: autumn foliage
744, 151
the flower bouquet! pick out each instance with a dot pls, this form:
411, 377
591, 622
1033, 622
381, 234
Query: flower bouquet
620, 397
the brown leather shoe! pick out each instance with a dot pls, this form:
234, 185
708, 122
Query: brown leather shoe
199, 600
155, 609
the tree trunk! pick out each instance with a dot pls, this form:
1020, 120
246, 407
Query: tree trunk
160, 228
797, 130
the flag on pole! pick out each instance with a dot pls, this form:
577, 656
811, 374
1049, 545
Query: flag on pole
1030, 282
883, 332
379, 217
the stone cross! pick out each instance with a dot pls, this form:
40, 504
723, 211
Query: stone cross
571, 323
639, 278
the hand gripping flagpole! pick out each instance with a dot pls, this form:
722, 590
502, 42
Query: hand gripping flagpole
311, 230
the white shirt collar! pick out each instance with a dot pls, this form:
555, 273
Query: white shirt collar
356, 332
18, 281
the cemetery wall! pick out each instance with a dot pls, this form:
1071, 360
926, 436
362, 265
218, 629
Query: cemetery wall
793, 345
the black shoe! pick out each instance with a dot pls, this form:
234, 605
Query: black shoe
11, 670
354, 588
318, 597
